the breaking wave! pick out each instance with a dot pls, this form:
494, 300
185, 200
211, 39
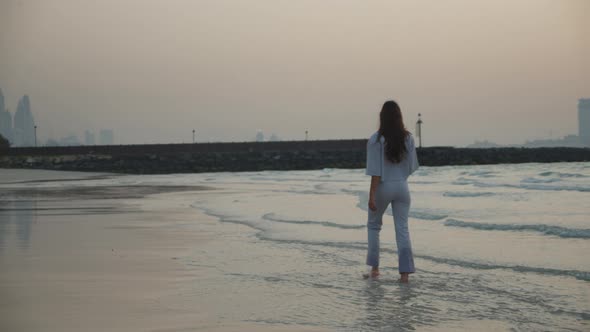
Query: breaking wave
263, 234
527, 186
562, 232
563, 175
274, 218
467, 194
420, 214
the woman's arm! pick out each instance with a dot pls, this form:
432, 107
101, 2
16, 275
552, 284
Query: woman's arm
374, 184
413, 157
374, 165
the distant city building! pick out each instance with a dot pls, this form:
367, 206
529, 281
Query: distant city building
259, 136
107, 137
571, 141
274, 138
567, 141
70, 141
577, 141
584, 121
24, 124
89, 138
483, 144
5, 120
51, 142
6, 125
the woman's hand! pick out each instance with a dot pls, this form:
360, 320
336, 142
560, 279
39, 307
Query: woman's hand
375, 180
372, 204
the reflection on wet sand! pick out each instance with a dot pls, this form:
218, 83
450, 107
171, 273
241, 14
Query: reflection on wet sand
17, 217
20, 207
389, 307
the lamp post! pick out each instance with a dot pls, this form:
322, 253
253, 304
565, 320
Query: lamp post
419, 130
193, 136
306, 135
35, 135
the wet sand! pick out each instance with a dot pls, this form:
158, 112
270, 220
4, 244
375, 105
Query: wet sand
90, 270
103, 259
139, 257
96, 259
120, 271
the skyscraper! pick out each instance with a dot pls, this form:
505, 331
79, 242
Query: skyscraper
584, 121
5, 120
107, 137
89, 138
24, 124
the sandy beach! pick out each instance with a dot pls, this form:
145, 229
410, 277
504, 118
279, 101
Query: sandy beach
101, 252
104, 259
92, 264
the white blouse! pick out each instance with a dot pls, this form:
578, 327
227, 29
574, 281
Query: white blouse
379, 165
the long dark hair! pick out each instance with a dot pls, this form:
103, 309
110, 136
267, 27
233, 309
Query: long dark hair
392, 128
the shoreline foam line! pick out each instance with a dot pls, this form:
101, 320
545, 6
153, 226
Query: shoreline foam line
563, 232
271, 217
260, 234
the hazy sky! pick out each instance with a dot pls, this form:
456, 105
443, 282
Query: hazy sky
502, 70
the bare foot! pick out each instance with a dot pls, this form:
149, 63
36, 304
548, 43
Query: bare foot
374, 274
405, 278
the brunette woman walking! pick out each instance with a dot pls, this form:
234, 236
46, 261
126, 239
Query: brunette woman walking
391, 158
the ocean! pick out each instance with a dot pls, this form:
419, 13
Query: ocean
504, 246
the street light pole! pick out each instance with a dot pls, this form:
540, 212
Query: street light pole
419, 130
306, 135
193, 136
35, 135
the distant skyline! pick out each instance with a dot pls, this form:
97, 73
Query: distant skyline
503, 71
18, 128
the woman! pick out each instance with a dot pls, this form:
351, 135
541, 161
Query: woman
391, 158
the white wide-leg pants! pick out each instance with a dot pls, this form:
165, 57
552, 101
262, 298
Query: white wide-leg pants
398, 194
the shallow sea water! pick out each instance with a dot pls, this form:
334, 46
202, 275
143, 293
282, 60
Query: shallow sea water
507, 244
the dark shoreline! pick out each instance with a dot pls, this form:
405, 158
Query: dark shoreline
258, 156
